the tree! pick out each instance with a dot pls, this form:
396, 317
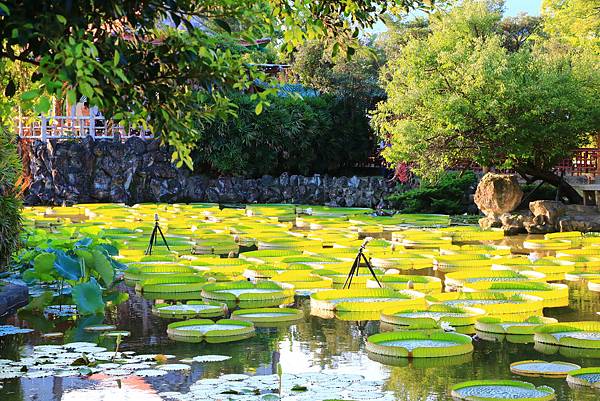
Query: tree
459, 95
576, 22
353, 79
164, 65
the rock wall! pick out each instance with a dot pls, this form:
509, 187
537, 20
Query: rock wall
140, 171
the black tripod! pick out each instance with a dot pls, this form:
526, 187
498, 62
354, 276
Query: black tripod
354, 270
154, 236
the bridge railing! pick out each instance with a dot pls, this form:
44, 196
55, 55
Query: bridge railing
73, 127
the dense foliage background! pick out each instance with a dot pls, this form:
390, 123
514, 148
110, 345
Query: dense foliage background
324, 134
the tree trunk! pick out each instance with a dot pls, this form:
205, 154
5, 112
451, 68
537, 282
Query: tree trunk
553, 179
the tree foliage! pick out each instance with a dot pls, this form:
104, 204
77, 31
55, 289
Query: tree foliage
299, 136
576, 22
165, 65
459, 96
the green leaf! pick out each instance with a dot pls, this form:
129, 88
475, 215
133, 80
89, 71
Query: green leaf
259, 108
43, 105
116, 297
88, 298
67, 266
4, 9
44, 263
30, 95
103, 267
61, 19
40, 302
116, 58
223, 24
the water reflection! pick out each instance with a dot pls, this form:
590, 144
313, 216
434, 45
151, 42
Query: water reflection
311, 344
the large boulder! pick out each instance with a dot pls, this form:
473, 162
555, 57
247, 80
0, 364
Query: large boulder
497, 194
547, 211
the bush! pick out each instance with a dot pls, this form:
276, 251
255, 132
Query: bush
10, 226
448, 195
321, 134
10, 205
544, 192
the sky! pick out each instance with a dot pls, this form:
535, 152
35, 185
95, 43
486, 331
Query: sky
531, 7
512, 8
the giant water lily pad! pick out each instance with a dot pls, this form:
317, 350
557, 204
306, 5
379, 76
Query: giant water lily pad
191, 309
419, 344
501, 390
535, 368
197, 330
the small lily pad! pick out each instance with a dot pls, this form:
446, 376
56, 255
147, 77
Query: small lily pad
210, 358
7, 330
100, 327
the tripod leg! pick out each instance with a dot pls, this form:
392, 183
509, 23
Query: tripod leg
371, 270
350, 274
353, 272
163, 237
150, 244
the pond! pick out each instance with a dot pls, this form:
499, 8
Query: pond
310, 345
320, 358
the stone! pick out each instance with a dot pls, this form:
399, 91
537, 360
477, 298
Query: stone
138, 171
547, 211
497, 194
583, 223
489, 222
514, 223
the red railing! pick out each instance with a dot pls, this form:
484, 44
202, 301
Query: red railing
583, 162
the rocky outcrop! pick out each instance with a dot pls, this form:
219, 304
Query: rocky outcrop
545, 217
12, 296
497, 194
138, 171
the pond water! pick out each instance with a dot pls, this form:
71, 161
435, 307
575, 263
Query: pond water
313, 344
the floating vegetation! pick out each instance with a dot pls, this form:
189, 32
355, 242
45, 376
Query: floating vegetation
191, 309
265, 316
425, 284
100, 327
525, 327
495, 304
460, 278
198, 330
302, 386
536, 368
501, 390
554, 295
8, 330
82, 359
363, 300
210, 358
432, 316
588, 377
572, 334
418, 344
248, 295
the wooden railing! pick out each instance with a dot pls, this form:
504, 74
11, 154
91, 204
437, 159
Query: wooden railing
584, 161
73, 127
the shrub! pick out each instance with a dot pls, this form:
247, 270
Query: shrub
544, 192
322, 134
10, 205
447, 195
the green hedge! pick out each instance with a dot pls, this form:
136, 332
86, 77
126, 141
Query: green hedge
307, 135
10, 204
448, 195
